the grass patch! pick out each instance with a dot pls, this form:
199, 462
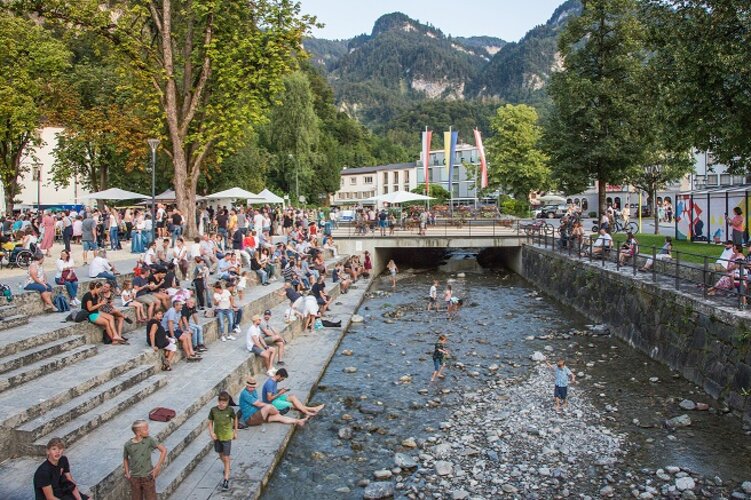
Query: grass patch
698, 250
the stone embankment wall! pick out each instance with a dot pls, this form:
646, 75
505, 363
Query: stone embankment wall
709, 346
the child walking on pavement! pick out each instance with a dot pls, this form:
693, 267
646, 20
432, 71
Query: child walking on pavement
439, 354
137, 462
223, 429
562, 377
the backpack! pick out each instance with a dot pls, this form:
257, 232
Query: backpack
61, 303
78, 316
161, 414
6, 292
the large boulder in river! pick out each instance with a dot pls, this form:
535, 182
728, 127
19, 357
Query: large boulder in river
404, 461
679, 421
378, 489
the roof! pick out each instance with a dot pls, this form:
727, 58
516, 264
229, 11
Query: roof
379, 168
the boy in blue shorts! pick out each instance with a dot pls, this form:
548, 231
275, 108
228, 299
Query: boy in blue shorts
562, 377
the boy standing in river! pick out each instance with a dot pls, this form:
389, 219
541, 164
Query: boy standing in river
439, 354
433, 296
562, 376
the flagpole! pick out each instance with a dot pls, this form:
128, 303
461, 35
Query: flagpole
426, 171
451, 180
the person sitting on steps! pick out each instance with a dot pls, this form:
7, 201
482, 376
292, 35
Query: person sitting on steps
255, 412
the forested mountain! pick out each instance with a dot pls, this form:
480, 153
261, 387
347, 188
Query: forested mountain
384, 76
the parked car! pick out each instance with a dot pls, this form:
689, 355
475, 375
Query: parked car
551, 211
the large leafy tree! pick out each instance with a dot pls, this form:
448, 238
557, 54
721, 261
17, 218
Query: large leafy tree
515, 162
206, 70
595, 132
701, 51
31, 63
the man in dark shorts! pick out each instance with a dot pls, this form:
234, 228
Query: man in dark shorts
254, 412
53, 478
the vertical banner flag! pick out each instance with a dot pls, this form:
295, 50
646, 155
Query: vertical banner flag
483, 164
447, 151
426, 136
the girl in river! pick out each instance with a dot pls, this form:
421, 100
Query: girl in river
439, 354
391, 266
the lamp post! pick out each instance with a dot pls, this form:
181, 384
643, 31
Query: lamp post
153, 144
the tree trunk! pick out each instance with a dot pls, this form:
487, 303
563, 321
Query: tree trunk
9, 196
602, 188
654, 210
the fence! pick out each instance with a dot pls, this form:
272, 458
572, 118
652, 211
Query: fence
693, 278
450, 227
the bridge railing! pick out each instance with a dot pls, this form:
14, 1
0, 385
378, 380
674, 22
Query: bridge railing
726, 281
446, 227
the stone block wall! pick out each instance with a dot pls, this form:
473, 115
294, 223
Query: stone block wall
710, 346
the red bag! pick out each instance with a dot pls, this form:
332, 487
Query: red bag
161, 414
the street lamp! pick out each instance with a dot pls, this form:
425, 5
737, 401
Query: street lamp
153, 144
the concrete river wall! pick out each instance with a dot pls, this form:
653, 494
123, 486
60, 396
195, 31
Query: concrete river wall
708, 345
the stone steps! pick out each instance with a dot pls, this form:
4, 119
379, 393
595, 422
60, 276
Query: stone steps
13, 321
42, 367
33, 354
50, 420
81, 425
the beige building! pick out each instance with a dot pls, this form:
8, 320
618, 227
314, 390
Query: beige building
358, 184
36, 185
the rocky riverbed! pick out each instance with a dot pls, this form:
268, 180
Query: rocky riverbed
489, 430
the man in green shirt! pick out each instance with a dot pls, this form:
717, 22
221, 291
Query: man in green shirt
223, 429
137, 462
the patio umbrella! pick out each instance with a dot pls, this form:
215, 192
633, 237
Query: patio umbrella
236, 193
270, 197
552, 199
399, 197
113, 194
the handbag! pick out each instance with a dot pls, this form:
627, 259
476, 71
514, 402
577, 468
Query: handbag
69, 275
161, 414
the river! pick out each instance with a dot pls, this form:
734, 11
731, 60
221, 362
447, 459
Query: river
389, 398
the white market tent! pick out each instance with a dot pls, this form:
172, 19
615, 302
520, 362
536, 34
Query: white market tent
113, 194
270, 197
552, 199
398, 197
236, 193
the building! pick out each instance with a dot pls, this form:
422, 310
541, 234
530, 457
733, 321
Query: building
466, 170
358, 184
37, 188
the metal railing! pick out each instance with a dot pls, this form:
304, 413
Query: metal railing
723, 279
441, 228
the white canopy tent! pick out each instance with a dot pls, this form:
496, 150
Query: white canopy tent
270, 197
398, 197
552, 199
113, 194
236, 193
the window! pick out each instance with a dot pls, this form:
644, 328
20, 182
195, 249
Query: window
385, 178
352, 181
368, 179
406, 176
396, 177
385, 189
396, 187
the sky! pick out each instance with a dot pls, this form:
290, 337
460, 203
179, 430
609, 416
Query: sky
506, 19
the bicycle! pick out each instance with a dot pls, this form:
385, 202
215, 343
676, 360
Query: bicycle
537, 228
619, 227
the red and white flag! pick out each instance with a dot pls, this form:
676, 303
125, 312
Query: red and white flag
426, 136
483, 163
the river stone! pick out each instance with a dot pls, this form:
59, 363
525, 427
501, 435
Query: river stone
347, 352
746, 486
443, 468
343, 489
409, 443
350, 369
607, 491
356, 318
345, 433
442, 450
317, 455
687, 404
460, 275
371, 409
509, 488
537, 356
679, 421
382, 474
379, 489
684, 483
702, 406
404, 461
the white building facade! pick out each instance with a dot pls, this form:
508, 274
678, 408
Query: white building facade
37, 188
358, 184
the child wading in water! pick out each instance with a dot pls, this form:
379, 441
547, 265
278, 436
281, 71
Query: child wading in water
562, 376
439, 354
391, 266
433, 296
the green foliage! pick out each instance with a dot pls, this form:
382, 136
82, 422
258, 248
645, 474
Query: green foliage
701, 53
437, 191
31, 64
515, 163
594, 131
512, 206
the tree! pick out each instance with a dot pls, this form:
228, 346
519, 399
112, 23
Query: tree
701, 51
594, 131
515, 162
31, 63
436, 191
204, 71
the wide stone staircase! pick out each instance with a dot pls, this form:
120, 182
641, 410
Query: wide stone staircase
59, 379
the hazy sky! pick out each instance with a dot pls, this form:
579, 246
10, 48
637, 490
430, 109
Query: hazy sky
507, 19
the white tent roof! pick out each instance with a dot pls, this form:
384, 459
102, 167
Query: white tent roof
167, 195
235, 193
113, 194
552, 199
399, 197
270, 197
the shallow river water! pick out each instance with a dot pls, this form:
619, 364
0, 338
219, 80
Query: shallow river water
383, 406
